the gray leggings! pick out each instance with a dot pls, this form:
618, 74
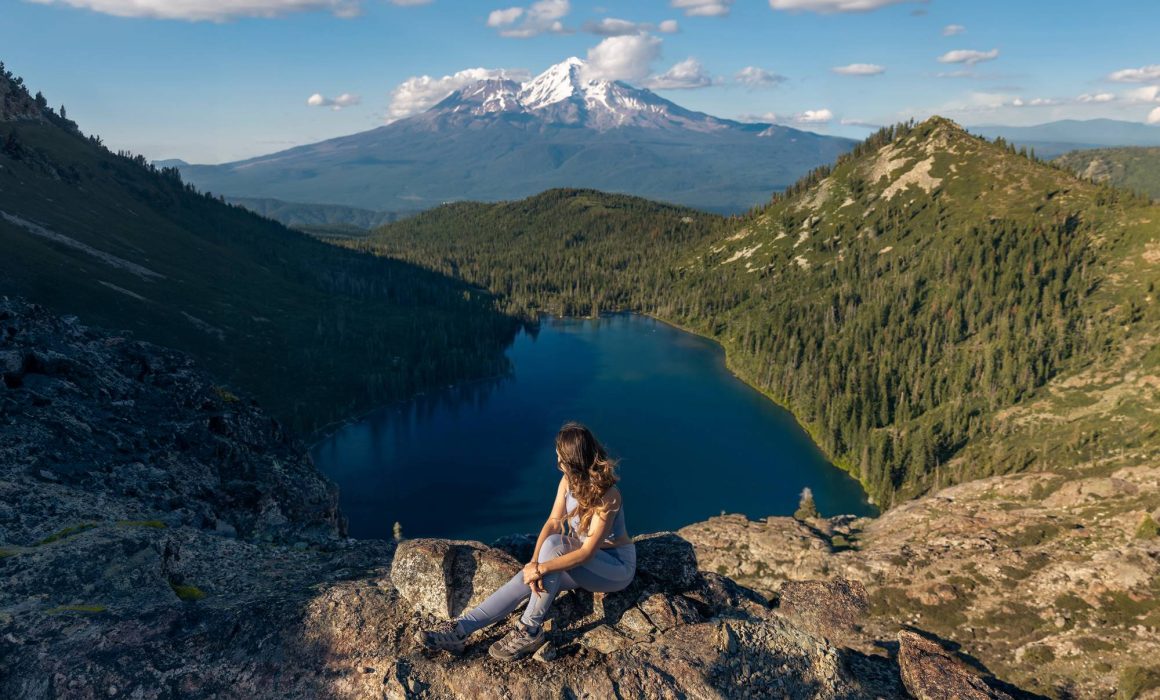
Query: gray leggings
607, 571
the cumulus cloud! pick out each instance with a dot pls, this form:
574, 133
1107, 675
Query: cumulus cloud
419, 93
969, 57
1154, 116
627, 57
1150, 93
541, 17
754, 77
686, 75
703, 8
502, 18
1136, 75
1099, 97
860, 69
833, 6
954, 30
344, 100
611, 26
213, 10
814, 116
1034, 102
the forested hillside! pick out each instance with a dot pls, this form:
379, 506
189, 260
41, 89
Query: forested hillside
1136, 169
314, 331
897, 301
564, 251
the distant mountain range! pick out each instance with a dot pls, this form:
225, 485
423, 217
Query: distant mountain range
500, 139
1055, 138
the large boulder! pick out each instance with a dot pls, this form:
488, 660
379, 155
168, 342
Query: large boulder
446, 577
830, 609
665, 561
931, 672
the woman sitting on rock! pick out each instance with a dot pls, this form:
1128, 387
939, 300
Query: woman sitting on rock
602, 560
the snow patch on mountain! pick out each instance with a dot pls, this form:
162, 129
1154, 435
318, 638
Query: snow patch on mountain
563, 94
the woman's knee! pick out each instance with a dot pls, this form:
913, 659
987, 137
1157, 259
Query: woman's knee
554, 546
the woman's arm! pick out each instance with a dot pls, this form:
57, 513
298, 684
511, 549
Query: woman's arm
598, 529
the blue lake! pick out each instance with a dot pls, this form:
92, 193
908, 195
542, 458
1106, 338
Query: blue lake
477, 461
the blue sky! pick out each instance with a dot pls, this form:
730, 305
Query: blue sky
216, 80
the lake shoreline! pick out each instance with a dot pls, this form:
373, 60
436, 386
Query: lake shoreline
809, 429
669, 376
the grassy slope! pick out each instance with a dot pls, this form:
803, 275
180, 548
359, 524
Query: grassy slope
1136, 169
315, 332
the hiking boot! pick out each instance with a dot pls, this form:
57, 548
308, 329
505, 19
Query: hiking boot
517, 644
446, 636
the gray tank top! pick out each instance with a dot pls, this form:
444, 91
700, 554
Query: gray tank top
619, 529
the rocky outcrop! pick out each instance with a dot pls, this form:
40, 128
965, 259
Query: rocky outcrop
931, 672
1049, 581
97, 428
160, 537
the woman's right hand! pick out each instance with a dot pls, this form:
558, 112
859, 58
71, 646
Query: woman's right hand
532, 577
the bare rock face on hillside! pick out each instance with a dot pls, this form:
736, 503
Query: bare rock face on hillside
1050, 581
160, 537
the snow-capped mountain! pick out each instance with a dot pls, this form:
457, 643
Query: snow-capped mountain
502, 139
566, 94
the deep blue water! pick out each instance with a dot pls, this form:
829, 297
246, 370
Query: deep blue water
478, 461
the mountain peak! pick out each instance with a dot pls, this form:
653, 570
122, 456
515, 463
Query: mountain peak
558, 83
564, 94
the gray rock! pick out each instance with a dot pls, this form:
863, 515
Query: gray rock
446, 577
931, 672
828, 608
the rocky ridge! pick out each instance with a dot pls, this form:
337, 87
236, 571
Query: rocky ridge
161, 537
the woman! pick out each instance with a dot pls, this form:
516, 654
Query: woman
602, 559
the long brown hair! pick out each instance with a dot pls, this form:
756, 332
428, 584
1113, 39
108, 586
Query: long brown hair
590, 471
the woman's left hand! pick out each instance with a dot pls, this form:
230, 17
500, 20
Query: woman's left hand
530, 574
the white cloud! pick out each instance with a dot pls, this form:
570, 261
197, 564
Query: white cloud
833, 6
1149, 93
968, 57
686, 75
1136, 75
421, 92
212, 10
502, 18
344, 100
1154, 116
1035, 102
1099, 97
814, 116
611, 26
860, 123
627, 58
954, 30
703, 8
860, 69
541, 17
754, 77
